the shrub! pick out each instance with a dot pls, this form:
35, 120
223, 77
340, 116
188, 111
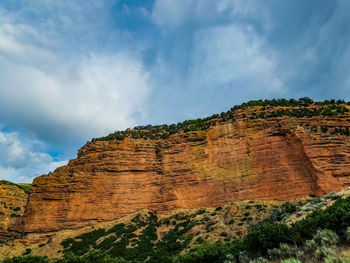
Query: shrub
15, 215
324, 254
267, 235
229, 258
94, 256
283, 212
335, 218
243, 257
291, 260
223, 234
347, 234
26, 259
205, 253
199, 240
285, 251
259, 260
200, 211
326, 238
321, 247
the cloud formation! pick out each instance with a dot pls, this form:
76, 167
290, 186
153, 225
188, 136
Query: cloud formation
72, 70
225, 52
61, 98
78, 98
21, 161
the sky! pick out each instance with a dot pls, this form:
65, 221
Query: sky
72, 70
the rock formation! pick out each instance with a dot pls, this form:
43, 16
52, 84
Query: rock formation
276, 158
12, 204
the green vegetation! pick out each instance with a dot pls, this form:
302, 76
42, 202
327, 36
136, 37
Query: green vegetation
94, 256
315, 236
312, 239
27, 252
121, 241
15, 215
265, 109
24, 187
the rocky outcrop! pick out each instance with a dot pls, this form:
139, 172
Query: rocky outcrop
13, 200
279, 158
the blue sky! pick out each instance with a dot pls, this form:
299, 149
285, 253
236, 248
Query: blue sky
74, 70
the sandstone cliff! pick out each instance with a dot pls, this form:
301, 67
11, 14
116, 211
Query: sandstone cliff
13, 200
246, 158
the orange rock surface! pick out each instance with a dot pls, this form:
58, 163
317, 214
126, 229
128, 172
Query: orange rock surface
12, 204
280, 158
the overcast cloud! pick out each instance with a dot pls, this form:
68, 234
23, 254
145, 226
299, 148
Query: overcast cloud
73, 70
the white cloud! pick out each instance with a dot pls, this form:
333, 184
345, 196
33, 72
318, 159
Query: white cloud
170, 14
217, 55
19, 160
56, 90
52, 94
229, 55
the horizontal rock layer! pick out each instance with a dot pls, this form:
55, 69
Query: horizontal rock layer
281, 158
13, 200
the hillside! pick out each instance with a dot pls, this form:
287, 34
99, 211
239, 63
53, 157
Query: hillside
238, 231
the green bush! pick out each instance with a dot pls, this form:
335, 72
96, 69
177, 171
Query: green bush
335, 218
291, 260
27, 252
205, 253
324, 254
267, 235
94, 256
200, 211
259, 260
199, 240
26, 259
326, 238
347, 234
285, 251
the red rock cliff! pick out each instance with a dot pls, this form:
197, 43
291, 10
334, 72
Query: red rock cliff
12, 203
279, 158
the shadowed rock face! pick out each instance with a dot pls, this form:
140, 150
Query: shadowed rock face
281, 158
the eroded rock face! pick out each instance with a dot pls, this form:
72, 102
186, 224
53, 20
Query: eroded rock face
13, 200
281, 158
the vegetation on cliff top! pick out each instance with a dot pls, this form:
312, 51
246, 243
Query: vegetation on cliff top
265, 109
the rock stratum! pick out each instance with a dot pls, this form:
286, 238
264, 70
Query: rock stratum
13, 200
276, 158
